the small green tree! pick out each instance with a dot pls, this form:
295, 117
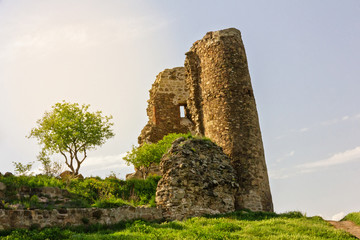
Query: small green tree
71, 130
148, 154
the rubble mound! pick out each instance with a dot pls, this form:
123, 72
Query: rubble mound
197, 179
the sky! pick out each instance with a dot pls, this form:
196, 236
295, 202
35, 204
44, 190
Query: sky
303, 59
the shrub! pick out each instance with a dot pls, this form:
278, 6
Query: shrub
144, 156
110, 203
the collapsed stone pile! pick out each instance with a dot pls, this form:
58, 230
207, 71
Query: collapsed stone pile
197, 179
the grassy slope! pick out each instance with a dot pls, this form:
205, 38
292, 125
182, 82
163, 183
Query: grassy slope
238, 225
109, 192
354, 217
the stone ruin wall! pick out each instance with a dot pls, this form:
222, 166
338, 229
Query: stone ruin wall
12, 219
222, 106
217, 93
215, 89
204, 182
60, 215
167, 94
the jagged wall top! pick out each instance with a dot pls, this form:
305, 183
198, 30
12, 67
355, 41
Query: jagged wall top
171, 81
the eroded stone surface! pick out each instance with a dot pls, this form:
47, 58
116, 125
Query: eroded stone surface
197, 179
216, 91
47, 197
138, 174
2, 186
222, 107
167, 94
10, 219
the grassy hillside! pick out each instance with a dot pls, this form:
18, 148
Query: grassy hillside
238, 225
354, 217
88, 192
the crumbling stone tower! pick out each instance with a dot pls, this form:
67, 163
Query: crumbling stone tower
214, 90
222, 107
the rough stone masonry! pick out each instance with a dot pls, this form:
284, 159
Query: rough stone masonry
197, 179
220, 105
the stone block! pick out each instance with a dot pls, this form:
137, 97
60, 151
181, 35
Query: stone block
2, 186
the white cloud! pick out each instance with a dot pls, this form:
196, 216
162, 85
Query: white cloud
41, 38
337, 120
330, 122
109, 160
304, 129
279, 173
104, 165
285, 156
338, 158
309, 170
280, 137
338, 216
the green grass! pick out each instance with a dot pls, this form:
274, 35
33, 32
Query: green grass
238, 225
354, 217
94, 191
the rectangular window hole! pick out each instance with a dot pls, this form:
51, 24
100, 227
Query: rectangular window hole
182, 111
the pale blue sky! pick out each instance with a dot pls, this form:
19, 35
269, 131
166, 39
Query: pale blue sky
303, 57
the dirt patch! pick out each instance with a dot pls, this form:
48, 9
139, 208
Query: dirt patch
347, 226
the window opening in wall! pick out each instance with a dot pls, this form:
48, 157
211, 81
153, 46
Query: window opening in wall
182, 111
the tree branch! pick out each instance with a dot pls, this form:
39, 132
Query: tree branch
84, 156
66, 160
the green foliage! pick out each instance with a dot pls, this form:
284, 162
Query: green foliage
34, 199
32, 181
48, 233
354, 217
134, 191
49, 168
144, 156
22, 169
238, 225
110, 192
71, 130
110, 202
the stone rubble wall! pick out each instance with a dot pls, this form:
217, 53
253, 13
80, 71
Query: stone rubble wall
167, 94
11, 219
222, 107
197, 179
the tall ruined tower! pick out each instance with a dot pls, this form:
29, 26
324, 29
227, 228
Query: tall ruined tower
222, 107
